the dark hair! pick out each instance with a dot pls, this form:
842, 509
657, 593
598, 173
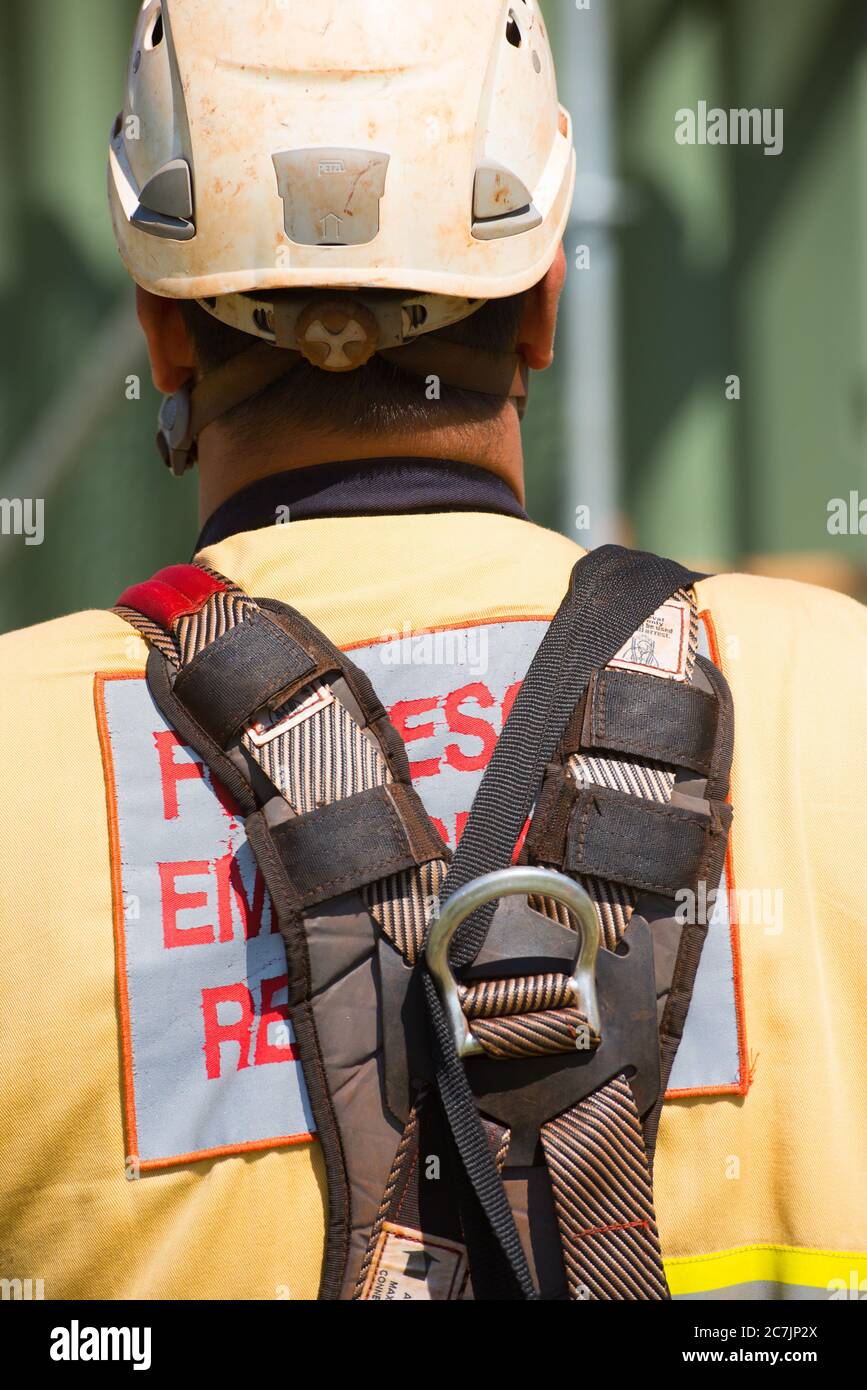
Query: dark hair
376, 397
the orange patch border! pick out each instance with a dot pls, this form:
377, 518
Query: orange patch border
101, 678
739, 1088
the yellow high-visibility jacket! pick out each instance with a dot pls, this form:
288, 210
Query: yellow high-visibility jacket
154, 1143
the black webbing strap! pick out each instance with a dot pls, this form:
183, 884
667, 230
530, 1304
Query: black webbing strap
347, 844
670, 721
611, 593
240, 672
649, 845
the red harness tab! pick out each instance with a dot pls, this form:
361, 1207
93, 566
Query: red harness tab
173, 592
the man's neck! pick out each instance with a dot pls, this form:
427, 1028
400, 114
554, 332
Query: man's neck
225, 468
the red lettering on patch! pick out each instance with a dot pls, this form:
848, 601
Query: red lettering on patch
474, 725
411, 733
267, 1051
172, 772
218, 1034
239, 1031
231, 885
174, 902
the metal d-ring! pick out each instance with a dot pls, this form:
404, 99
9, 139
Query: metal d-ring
504, 883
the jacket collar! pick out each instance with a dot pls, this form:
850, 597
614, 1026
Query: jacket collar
364, 487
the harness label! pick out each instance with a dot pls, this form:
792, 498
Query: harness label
408, 1265
210, 1065
660, 646
270, 726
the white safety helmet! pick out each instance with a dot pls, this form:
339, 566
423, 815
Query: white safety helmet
412, 152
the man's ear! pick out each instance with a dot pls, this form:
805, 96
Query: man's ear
539, 319
171, 352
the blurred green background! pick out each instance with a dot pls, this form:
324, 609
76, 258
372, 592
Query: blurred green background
704, 262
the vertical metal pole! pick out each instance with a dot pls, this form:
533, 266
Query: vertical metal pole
590, 330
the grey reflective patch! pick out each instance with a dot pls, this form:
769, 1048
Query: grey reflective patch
709, 1052
765, 1290
209, 1050
331, 196
708, 1057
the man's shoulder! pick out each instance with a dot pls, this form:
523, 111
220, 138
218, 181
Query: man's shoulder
784, 617
768, 621
793, 655
67, 649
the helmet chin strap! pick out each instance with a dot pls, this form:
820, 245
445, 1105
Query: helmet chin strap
184, 415
503, 374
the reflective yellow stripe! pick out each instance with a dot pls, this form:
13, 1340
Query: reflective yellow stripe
778, 1264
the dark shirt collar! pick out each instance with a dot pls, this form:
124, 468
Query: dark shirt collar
365, 487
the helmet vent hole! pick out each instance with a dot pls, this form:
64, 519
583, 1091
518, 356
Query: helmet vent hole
417, 316
155, 37
513, 31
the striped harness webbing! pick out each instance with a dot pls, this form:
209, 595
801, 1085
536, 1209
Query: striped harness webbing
551, 1198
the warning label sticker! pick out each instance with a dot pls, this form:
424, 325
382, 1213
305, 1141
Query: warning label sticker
269, 727
408, 1265
660, 646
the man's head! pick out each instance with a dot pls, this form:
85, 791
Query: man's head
185, 342
379, 187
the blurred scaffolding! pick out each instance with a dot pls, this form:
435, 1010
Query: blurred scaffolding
704, 262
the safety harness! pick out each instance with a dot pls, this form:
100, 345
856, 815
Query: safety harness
485, 1042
